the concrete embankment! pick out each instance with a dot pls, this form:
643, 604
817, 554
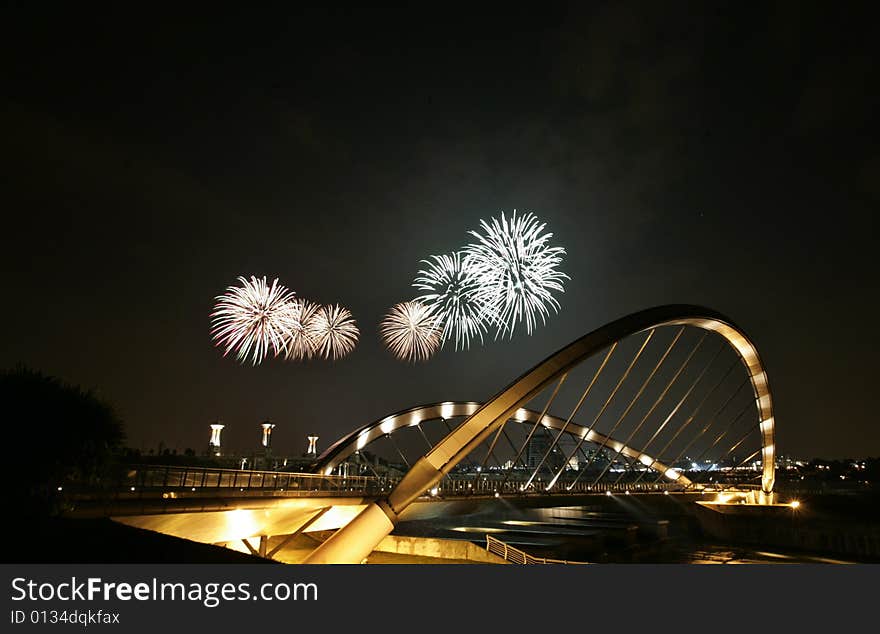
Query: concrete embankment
801, 529
437, 548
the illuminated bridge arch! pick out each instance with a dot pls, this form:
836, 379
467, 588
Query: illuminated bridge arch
363, 437
355, 541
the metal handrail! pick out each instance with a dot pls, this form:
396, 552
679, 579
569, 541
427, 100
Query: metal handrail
137, 480
516, 556
173, 480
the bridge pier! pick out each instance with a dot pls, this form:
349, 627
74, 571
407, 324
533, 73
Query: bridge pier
260, 551
353, 543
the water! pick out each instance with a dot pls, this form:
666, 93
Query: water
625, 531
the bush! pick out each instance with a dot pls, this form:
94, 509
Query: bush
57, 434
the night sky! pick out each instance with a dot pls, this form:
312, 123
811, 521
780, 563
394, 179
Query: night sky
721, 154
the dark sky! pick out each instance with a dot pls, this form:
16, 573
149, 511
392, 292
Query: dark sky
721, 154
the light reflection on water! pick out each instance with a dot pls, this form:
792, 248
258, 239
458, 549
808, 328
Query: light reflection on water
600, 534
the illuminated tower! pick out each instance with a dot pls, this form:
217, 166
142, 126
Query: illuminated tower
267, 434
313, 446
214, 443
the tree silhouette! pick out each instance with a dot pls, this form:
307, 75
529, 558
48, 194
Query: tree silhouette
56, 435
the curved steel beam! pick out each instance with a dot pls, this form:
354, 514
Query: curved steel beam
360, 438
363, 436
354, 542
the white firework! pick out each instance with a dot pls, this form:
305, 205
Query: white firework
516, 270
301, 343
454, 298
411, 332
333, 332
253, 319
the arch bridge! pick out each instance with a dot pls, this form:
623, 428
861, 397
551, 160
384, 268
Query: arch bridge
670, 398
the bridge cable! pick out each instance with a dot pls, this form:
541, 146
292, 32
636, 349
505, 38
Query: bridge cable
650, 411
604, 406
712, 419
573, 413
366, 462
513, 450
399, 452
548, 436
425, 436
449, 429
490, 451
534, 427
428, 442
731, 485
629, 408
584, 456
643, 451
672, 414
694, 413
470, 460
726, 431
742, 439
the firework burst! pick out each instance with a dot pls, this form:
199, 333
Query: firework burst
253, 319
516, 270
302, 341
454, 297
411, 332
333, 332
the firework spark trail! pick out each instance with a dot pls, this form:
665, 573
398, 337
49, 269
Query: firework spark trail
334, 332
253, 319
302, 344
411, 332
516, 268
454, 297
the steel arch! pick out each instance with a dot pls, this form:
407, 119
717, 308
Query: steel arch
343, 448
354, 542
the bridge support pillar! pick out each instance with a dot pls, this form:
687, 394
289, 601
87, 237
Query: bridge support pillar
762, 497
353, 543
260, 551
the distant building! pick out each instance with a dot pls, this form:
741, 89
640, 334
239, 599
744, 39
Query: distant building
536, 449
313, 446
214, 445
267, 428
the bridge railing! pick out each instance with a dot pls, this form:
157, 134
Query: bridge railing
149, 480
516, 556
199, 478
489, 485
